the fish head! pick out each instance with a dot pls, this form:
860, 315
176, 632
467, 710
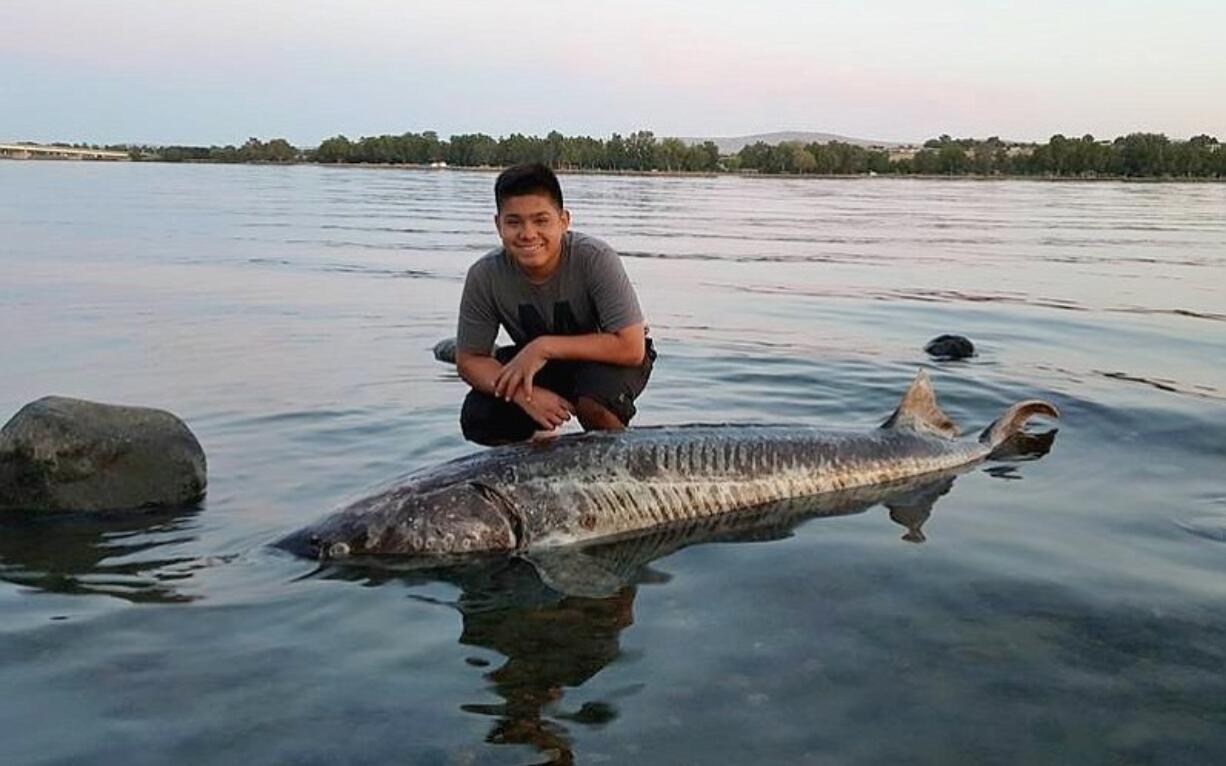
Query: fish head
455, 519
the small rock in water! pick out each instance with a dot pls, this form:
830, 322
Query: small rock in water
950, 347
62, 454
444, 350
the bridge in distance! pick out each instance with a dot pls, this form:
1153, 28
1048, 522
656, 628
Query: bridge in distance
37, 152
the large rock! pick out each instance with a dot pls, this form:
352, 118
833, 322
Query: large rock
61, 454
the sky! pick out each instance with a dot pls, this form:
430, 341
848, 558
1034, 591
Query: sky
217, 72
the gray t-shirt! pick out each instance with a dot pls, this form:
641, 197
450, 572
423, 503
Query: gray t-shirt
588, 293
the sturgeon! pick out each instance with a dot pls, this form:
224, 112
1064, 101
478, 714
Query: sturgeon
604, 567
586, 487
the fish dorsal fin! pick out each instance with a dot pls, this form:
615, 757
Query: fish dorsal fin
919, 411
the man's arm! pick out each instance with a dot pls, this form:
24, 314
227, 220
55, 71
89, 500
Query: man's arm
625, 348
481, 371
478, 370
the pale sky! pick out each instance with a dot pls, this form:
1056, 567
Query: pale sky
218, 71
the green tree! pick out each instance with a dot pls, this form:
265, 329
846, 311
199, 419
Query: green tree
641, 150
335, 149
280, 150
671, 155
755, 156
798, 159
1140, 154
471, 150
702, 158
617, 153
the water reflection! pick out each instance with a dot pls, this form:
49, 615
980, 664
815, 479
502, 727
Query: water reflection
548, 648
1019, 448
556, 615
910, 509
109, 554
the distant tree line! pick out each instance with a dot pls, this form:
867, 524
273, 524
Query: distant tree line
254, 150
637, 151
1134, 155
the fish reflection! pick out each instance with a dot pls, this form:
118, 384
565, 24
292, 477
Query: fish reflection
556, 615
1019, 448
106, 554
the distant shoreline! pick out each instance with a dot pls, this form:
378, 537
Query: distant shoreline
732, 174
666, 173
742, 174
1135, 156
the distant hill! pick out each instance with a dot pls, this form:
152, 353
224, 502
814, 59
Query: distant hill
734, 144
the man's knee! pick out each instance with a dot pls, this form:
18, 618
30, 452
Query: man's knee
475, 424
594, 416
488, 421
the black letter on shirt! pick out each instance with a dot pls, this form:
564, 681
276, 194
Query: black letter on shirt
532, 323
564, 322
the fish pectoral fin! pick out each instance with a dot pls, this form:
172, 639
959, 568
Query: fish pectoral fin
918, 411
574, 573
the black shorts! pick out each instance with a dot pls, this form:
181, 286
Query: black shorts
486, 419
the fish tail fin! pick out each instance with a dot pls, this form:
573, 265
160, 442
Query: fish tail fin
1013, 419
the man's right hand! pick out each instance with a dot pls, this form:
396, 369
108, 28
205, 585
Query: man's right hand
545, 407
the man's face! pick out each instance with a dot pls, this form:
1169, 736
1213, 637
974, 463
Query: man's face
531, 228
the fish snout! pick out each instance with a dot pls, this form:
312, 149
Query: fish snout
311, 544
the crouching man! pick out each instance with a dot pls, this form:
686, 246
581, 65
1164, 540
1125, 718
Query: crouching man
580, 340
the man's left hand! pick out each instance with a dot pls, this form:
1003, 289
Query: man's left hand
519, 372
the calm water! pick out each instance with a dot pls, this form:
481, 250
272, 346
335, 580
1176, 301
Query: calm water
1070, 608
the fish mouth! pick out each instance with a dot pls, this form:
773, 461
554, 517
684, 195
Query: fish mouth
308, 544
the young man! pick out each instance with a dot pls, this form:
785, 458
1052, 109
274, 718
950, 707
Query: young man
580, 340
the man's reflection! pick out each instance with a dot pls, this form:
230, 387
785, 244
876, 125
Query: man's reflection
548, 648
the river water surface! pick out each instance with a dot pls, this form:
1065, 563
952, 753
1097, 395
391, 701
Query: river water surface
1069, 606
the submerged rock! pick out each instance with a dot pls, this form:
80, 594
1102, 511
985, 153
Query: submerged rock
62, 454
444, 350
950, 347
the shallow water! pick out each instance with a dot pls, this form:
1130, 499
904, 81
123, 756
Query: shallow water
1064, 608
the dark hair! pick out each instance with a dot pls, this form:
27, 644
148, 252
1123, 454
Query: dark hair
529, 178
